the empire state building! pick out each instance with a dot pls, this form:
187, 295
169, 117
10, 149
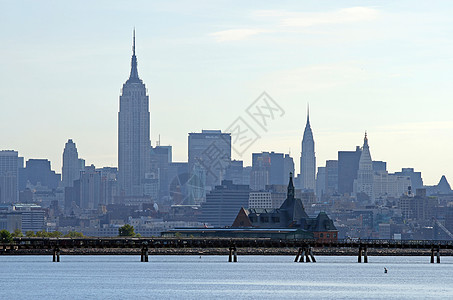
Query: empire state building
133, 133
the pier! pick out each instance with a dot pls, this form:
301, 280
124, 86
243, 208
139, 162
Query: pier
303, 249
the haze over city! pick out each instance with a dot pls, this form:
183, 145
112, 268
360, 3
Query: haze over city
383, 67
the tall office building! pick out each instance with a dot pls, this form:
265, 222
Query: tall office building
348, 165
209, 157
308, 159
134, 144
9, 177
365, 174
72, 165
270, 168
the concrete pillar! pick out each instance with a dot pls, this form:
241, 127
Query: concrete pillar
298, 254
58, 255
54, 255
359, 259
230, 257
235, 255
302, 256
365, 255
438, 255
432, 255
311, 255
307, 257
146, 255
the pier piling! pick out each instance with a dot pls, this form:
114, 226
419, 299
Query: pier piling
298, 254
311, 254
359, 258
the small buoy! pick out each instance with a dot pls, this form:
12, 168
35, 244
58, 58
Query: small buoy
385, 270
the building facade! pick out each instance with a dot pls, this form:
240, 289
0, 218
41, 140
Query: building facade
72, 165
308, 159
134, 144
9, 176
209, 154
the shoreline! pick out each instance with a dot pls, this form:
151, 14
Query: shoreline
225, 251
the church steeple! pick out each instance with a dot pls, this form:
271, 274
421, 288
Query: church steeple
290, 194
134, 72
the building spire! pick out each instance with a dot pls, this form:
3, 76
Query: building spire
134, 72
308, 113
133, 44
290, 193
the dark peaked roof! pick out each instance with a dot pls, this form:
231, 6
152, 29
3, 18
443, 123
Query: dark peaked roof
291, 214
443, 186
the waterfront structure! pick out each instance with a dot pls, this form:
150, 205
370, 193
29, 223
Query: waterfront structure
209, 154
72, 165
291, 214
134, 144
364, 182
308, 159
9, 176
223, 203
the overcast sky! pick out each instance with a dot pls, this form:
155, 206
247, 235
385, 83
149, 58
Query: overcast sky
381, 66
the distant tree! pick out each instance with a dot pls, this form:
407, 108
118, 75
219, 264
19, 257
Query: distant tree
5, 236
126, 230
55, 234
17, 233
30, 233
73, 234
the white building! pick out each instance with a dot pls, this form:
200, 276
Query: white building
365, 174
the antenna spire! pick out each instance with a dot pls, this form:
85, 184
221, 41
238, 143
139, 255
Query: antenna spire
133, 44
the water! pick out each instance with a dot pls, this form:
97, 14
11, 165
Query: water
211, 277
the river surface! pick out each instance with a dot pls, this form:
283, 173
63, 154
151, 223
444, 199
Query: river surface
211, 277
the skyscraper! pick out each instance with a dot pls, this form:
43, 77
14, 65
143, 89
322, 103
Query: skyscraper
364, 181
308, 159
134, 144
72, 165
9, 179
209, 155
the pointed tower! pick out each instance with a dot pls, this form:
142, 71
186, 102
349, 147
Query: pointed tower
365, 177
308, 158
134, 144
72, 165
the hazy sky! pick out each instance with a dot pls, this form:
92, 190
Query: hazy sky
381, 66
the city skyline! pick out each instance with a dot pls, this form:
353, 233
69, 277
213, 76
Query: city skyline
399, 95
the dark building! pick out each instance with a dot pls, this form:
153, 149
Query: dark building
210, 154
223, 203
419, 207
348, 165
235, 172
270, 168
161, 158
38, 170
291, 214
